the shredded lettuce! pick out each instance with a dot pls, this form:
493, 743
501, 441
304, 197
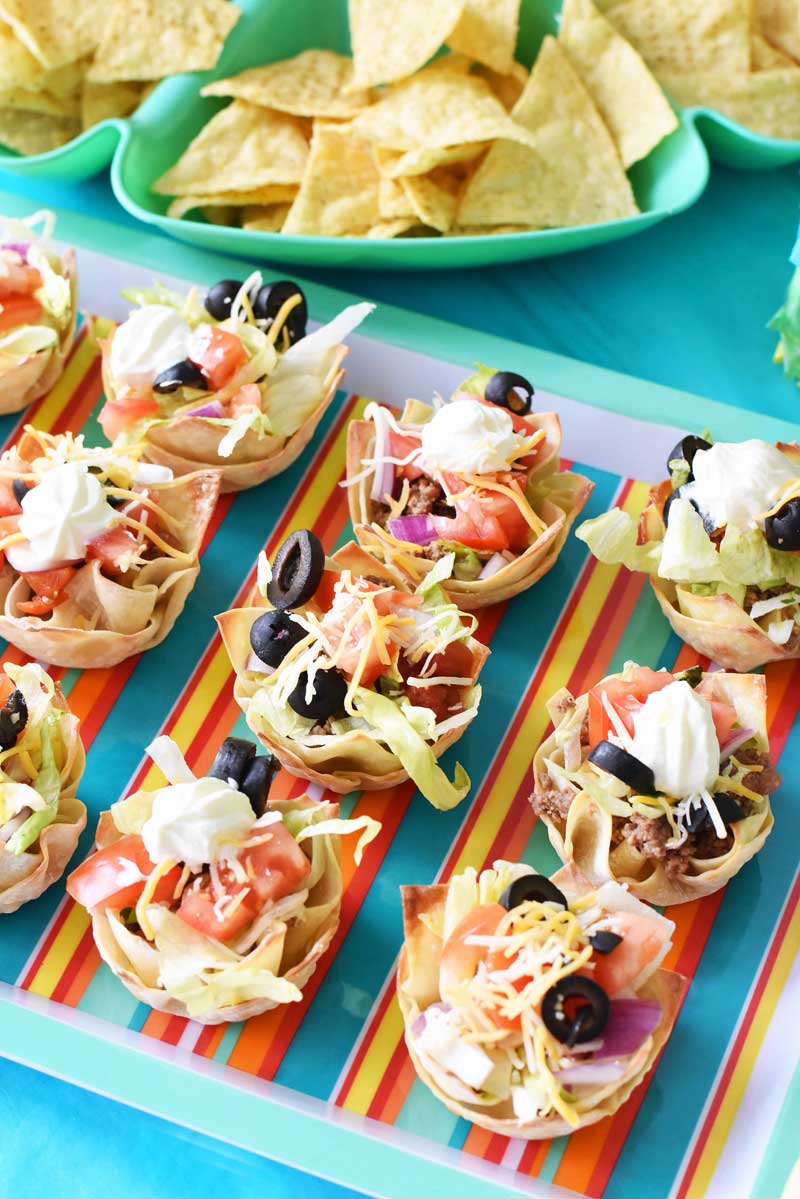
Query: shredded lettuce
786, 322
469, 890
467, 565
612, 539
55, 293
442, 570
48, 787
190, 305
476, 384
27, 340
416, 755
341, 828
687, 552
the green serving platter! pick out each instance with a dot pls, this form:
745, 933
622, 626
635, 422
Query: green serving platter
141, 148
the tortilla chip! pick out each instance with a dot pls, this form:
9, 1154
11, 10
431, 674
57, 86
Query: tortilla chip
39, 100
779, 22
394, 164
684, 35
572, 176
57, 33
482, 230
27, 379
106, 101
18, 66
560, 497
487, 32
438, 109
265, 218
338, 196
242, 148
275, 193
627, 96
395, 228
150, 39
393, 204
392, 39
765, 57
35, 132
767, 102
586, 837
508, 86
312, 84
434, 198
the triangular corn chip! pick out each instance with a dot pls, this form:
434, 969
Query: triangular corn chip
58, 33
765, 101
309, 85
572, 176
338, 196
685, 35
149, 39
628, 97
434, 198
104, 101
779, 22
35, 132
487, 32
392, 39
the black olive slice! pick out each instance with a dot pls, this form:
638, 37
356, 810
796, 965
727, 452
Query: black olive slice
603, 941
233, 757
686, 449
180, 374
330, 688
782, 530
510, 391
20, 489
296, 570
532, 887
708, 524
269, 299
273, 635
728, 807
624, 766
575, 1009
257, 781
220, 297
13, 718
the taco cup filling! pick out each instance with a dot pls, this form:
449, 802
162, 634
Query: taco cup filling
346, 656
467, 477
238, 358
719, 539
525, 998
207, 886
669, 759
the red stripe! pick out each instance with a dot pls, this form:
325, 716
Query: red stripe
47, 944
79, 407
85, 947
105, 701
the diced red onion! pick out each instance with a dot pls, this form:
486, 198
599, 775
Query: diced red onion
418, 529
590, 1074
212, 408
736, 740
254, 663
495, 563
10, 827
383, 479
418, 1027
630, 1022
19, 247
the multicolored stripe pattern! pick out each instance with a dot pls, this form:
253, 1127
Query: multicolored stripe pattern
344, 1042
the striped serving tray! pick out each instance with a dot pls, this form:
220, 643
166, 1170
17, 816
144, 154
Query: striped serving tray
326, 1084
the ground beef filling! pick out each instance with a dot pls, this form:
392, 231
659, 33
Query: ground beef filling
650, 837
753, 594
424, 497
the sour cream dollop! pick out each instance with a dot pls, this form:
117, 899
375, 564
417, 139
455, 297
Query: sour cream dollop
62, 514
735, 482
471, 438
195, 822
151, 339
674, 735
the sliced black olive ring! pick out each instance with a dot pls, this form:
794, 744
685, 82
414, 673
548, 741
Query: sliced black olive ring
624, 766
532, 887
603, 941
257, 781
220, 297
13, 718
20, 489
575, 1009
180, 374
686, 449
273, 635
233, 757
729, 809
296, 570
510, 391
327, 699
269, 299
782, 530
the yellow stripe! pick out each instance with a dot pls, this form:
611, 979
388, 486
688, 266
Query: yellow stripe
517, 762
49, 974
77, 367
747, 1059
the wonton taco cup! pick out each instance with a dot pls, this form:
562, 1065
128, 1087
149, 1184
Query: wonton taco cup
393, 674
38, 310
41, 763
100, 550
478, 476
660, 782
504, 1037
231, 383
235, 896
719, 540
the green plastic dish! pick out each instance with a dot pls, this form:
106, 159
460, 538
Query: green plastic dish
141, 148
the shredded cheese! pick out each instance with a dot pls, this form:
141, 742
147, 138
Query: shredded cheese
168, 549
143, 902
480, 483
281, 315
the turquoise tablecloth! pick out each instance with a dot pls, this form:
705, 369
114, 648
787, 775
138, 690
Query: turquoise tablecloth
684, 304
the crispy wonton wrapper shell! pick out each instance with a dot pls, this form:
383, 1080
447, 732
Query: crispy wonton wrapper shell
33, 376
418, 988
585, 836
138, 616
566, 495
27, 875
135, 961
354, 761
190, 443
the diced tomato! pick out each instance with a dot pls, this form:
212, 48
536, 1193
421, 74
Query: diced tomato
277, 866
626, 697
9, 505
19, 310
198, 910
323, 596
400, 446
643, 940
7, 685
48, 584
118, 415
38, 606
18, 279
111, 546
443, 698
247, 399
219, 354
485, 520
114, 877
724, 714
337, 619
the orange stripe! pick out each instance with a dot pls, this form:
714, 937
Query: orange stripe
84, 975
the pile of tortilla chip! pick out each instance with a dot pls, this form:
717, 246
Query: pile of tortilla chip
67, 64
431, 128
739, 57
